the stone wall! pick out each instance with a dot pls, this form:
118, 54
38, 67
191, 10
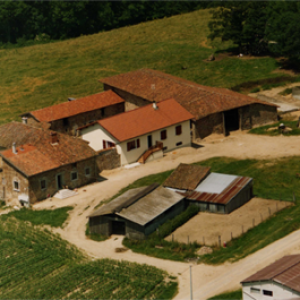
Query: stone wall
32, 186
8, 175
262, 114
108, 159
132, 101
208, 125
69, 125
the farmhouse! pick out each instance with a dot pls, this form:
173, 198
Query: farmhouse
137, 213
215, 110
142, 134
213, 192
280, 280
37, 163
68, 116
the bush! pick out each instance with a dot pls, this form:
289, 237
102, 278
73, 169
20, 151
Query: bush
255, 90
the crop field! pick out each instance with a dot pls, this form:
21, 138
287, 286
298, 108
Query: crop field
36, 264
42, 75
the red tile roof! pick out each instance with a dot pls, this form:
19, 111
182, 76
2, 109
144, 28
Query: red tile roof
145, 119
36, 154
75, 107
199, 100
285, 271
224, 197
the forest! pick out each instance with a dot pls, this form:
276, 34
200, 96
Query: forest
27, 22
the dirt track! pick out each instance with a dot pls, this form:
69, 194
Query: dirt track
208, 280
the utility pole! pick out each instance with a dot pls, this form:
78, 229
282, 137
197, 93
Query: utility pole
191, 284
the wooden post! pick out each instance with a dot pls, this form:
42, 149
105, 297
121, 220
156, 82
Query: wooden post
219, 241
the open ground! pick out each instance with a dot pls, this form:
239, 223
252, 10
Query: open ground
208, 280
206, 228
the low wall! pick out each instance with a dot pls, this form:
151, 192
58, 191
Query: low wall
108, 159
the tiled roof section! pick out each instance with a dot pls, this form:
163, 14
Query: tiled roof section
186, 177
224, 197
145, 119
75, 107
39, 155
285, 271
199, 100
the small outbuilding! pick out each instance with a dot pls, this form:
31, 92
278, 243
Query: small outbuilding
137, 213
212, 192
280, 280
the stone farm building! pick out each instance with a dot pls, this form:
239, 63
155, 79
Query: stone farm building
68, 116
42, 162
213, 192
141, 134
215, 110
280, 280
137, 213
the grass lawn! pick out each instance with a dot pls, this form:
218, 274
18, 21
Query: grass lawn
274, 179
42, 75
43, 266
264, 129
235, 295
54, 218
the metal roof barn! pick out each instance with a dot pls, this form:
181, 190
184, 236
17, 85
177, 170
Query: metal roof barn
137, 212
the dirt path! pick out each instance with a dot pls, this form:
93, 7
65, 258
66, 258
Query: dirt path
208, 280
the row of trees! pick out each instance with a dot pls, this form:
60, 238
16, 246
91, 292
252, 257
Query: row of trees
28, 20
259, 27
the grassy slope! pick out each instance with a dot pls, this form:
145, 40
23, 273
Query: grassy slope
42, 266
264, 129
43, 75
272, 180
235, 295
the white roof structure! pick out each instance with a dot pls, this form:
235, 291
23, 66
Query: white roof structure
215, 183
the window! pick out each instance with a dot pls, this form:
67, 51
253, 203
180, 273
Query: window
87, 172
254, 290
178, 130
133, 144
267, 293
108, 144
74, 175
16, 185
66, 122
179, 144
163, 134
43, 184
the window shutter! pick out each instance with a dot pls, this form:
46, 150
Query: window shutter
138, 143
104, 144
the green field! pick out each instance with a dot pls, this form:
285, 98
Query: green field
36, 264
273, 179
42, 75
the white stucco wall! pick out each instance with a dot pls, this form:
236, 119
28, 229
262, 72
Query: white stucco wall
279, 291
128, 157
96, 134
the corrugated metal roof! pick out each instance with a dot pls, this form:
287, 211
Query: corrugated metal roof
199, 100
186, 177
285, 271
215, 183
145, 209
222, 198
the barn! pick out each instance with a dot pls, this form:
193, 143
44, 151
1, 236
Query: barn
215, 110
279, 280
137, 213
212, 192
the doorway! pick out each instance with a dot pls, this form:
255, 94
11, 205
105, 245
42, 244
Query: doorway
59, 182
149, 138
118, 227
231, 121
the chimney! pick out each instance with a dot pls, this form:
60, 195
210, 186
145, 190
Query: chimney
24, 120
53, 138
14, 149
155, 105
